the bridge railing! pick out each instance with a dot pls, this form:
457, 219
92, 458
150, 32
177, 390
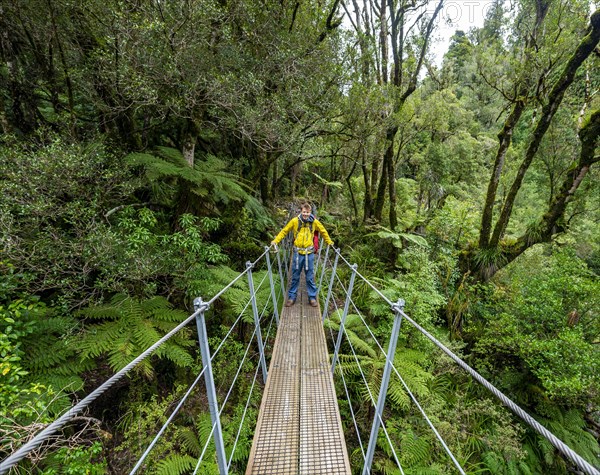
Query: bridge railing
333, 290
337, 291
262, 319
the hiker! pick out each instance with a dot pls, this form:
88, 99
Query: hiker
304, 226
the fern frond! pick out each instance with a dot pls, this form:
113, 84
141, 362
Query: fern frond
177, 355
189, 440
415, 450
172, 155
175, 464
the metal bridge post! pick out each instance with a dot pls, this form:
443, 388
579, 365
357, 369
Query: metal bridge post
323, 269
273, 296
256, 322
210, 385
344, 315
398, 307
333, 271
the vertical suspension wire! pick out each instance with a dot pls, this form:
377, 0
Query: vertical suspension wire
155, 440
227, 398
348, 394
382, 423
166, 424
373, 402
411, 395
237, 436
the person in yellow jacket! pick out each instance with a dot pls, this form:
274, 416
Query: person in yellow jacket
303, 226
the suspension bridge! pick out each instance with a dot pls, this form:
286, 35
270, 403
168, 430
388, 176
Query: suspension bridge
299, 428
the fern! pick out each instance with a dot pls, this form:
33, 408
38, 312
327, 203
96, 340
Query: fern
208, 179
51, 359
130, 327
175, 464
397, 239
415, 450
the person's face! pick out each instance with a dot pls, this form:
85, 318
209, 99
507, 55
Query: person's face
305, 213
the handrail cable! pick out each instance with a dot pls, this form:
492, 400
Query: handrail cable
412, 396
57, 424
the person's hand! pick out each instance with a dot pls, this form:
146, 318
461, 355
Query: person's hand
275, 248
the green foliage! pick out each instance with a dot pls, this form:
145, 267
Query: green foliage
546, 323
39, 370
140, 252
417, 283
130, 326
53, 197
398, 239
186, 438
208, 179
75, 461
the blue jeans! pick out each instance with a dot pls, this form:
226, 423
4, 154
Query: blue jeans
297, 266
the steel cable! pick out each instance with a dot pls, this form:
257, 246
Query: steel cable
53, 427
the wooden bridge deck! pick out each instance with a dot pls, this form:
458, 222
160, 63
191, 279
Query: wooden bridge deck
299, 429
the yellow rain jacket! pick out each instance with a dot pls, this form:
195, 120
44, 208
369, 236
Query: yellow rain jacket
303, 236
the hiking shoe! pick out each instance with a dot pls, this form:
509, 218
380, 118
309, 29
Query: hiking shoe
313, 303
289, 303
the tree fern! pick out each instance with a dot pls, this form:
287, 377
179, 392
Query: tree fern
208, 179
131, 326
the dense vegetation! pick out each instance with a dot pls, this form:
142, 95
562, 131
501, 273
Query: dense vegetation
149, 149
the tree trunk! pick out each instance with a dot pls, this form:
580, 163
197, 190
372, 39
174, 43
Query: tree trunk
190, 137
391, 173
368, 200
584, 49
505, 137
